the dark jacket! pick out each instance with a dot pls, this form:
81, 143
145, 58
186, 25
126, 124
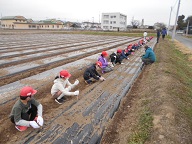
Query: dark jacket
91, 72
123, 55
115, 58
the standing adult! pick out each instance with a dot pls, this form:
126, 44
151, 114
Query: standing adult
164, 32
62, 87
145, 35
27, 111
158, 35
149, 56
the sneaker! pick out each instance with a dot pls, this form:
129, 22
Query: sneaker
64, 98
122, 63
20, 128
59, 101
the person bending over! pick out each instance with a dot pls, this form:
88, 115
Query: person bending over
91, 73
62, 87
149, 56
106, 66
116, 58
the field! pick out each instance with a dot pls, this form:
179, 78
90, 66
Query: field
105, 112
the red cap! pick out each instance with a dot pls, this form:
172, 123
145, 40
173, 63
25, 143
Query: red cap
119, 51
104, 53
27, 91
64, 73
99, 63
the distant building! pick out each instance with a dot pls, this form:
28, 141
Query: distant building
113, 21
20, 22
90, 25
142, 22
143, 26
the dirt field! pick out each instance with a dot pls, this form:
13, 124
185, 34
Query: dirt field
150, 113
87, 114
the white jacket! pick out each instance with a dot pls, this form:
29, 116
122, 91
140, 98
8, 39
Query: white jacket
61, 85
145, 34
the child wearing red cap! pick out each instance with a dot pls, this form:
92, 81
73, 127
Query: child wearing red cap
62, 87
116, 58
27, 111
91, 73
106, 66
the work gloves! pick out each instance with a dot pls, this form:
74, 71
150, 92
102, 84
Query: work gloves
38, 121
76, 92
101, 78
76, 82
34, 124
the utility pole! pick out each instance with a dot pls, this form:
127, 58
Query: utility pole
169, 21
99, 18
187, 28
173, 35
93, 22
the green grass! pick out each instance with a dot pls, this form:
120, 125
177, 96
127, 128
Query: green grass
106, 33
181, 70
189, 36
144, 127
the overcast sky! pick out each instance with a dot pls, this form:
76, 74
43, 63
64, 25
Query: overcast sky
151, 11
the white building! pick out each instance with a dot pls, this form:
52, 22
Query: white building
113, 21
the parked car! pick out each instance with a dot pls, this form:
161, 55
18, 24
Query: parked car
179, 31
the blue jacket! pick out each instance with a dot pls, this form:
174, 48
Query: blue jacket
149, 54
164, 32
123, 56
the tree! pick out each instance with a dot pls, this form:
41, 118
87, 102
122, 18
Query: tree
151, 27
135, 23
181, 23
159, 25
190, 20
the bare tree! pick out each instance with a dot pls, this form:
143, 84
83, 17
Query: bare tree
135, 23
159, 25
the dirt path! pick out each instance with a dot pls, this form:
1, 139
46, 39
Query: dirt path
153, 110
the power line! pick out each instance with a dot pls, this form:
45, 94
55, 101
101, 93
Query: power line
175, 4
